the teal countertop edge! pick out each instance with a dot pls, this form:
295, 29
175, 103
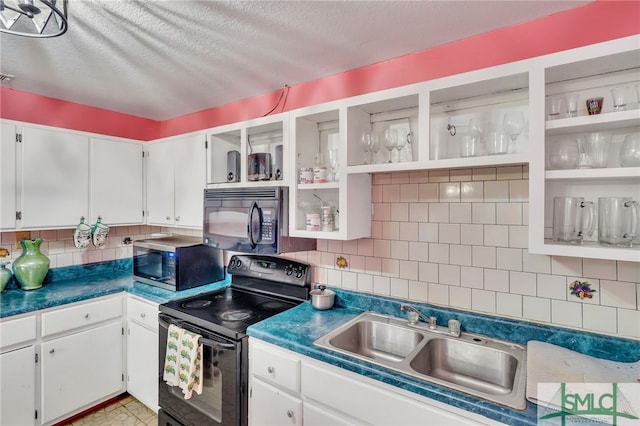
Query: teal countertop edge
77, 283
297, 329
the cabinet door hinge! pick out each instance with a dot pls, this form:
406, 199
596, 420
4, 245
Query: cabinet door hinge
18, 137
18, 215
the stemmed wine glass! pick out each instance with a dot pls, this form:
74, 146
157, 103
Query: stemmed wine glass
334, 165
513, 125
401, 142
366, 139
390, 141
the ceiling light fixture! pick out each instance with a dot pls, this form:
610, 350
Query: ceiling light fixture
29, 18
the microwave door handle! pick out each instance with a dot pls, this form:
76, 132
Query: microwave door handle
253, 207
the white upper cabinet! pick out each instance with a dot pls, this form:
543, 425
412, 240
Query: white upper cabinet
176, 176
116, 181
8, 176
566, 165
231, 158
54, 178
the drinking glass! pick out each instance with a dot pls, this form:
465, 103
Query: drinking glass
554, 105
573, 218
564, 154
366, 142
376, 137
619, 101
390, 141
401, 142
571, 105
594, 150
618, 220
334, 164
630, 151
497, 143
513, 125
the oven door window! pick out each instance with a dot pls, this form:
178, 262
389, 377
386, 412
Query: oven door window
219, 402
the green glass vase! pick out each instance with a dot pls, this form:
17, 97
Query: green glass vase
32, 266
5, 275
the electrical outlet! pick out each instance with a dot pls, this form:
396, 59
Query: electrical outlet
22, 235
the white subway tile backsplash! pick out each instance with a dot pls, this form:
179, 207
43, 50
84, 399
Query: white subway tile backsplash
409, 193
349, 280
419, 251
629, 323
460, 297
566, 313
536, 309
487, 173
449, 233
618, 293
600, 268
438, 294
418, 290
472, 234
428, 192
428, 272
460, 213
472, 277
391, 230
496, 235
509, 259
408, 231
439, 212
365, 283
356, 263
449, 274
483, 300
419, 176
460, 255
419, 212
600, 318
509, 213
381, 211
399, 288
400, 177
522, 283
376, 229
399, 212
518, 237
428, 232
391, 193
484, 213
496, 191
376, 191
334, 278
561, 265
390, 267
439, 175
460, 175
399, 249
509, 305
365, 247
350, 247
438, 253
382, 286
450, 192
509, 172
496, 280
551, 286
484, 257
472, 192
334, 246
409, 270
629, 271
373, 265
519, 191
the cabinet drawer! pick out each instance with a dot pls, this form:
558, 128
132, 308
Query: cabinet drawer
82, 315
275, 367
17, 331
144, 313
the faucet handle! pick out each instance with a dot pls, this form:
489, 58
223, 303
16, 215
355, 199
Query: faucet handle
412, 317
433, 323
454, 327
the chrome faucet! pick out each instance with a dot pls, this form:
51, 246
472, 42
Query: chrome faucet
414, 315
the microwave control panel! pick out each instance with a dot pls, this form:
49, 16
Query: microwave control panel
270, 268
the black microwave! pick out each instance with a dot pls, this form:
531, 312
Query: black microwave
176, 262
250, 220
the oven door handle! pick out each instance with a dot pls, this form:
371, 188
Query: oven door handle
203, 340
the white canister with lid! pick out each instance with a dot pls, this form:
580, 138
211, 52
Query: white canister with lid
313, 221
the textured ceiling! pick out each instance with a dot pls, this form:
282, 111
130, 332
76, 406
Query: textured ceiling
161, 59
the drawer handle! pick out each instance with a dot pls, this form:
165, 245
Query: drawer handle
143, 315
86, 316
270, 369
290, 414
51, 351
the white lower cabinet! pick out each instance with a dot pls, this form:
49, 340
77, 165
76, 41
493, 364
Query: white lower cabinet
80, 370
329, 395
142, 351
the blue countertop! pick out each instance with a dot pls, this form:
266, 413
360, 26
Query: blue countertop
297, 329
77, 283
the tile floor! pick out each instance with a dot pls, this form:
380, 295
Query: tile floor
126, 411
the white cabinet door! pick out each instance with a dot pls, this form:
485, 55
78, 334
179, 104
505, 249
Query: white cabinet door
316, 416
190, 180
272, 406
54, 178
142, 364
160, 204
18, 402
8, 176
116, 181
80, 370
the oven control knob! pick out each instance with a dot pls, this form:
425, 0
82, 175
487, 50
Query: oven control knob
299, 273
288, 270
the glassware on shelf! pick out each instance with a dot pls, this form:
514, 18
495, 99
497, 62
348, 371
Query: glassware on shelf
376, 138
571, 104
594, 150
366, 140
401, 142
497, 143
334, 165
619, 98
630, 151
390, 140
513, 125
554, 106
564, 155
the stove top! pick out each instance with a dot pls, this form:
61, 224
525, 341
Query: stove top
261, 286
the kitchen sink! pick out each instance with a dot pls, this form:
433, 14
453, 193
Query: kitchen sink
377, 340
478, 365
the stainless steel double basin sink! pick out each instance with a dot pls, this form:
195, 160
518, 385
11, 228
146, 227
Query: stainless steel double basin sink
486, 368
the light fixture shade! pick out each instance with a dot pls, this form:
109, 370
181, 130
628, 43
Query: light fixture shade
32, 18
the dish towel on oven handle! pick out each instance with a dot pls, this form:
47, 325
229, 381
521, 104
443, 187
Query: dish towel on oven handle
183, 361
